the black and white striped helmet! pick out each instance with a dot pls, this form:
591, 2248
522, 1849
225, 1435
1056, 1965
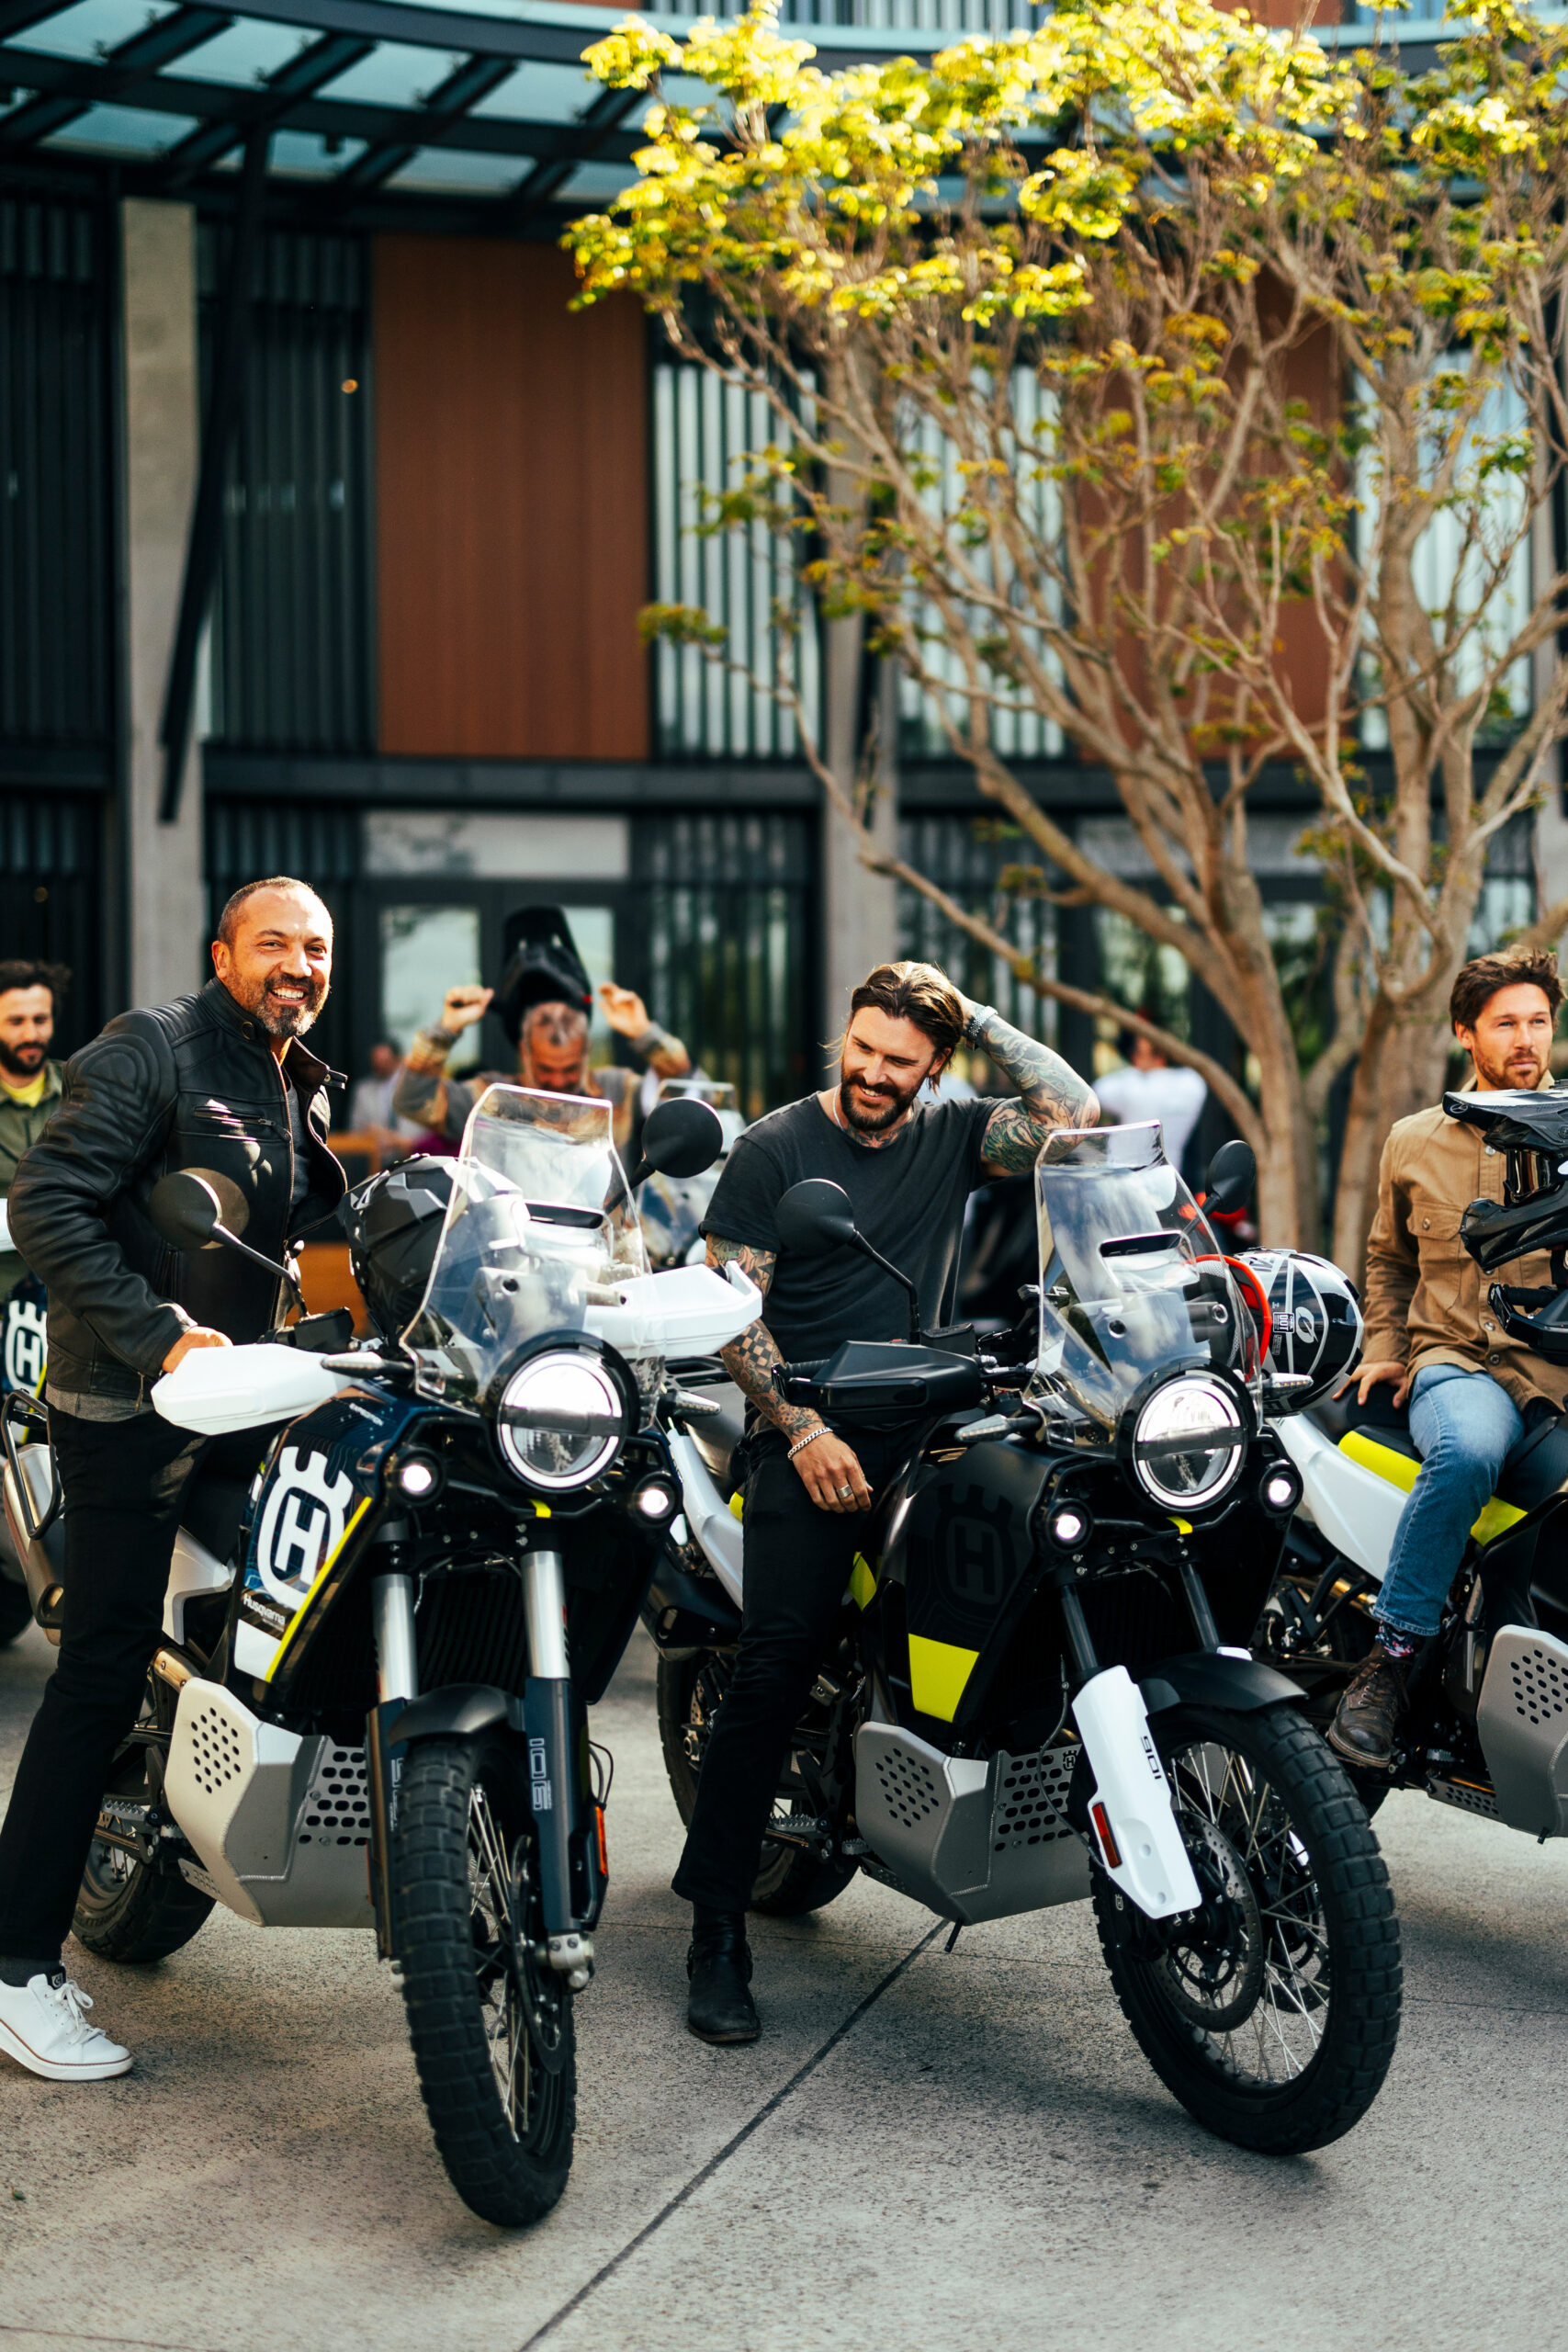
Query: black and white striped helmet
1315, 1316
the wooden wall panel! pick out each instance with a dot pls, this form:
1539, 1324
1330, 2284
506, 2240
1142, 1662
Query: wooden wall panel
512, 506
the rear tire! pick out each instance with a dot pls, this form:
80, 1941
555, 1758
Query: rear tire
1274, 2019
790, 1882
467, 1921
125, 1911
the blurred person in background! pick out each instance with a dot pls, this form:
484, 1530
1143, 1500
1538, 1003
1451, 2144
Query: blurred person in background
29, 1080
1150, 1087
370, 1110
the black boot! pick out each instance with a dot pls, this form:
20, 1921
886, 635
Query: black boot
720, 2008
1375, 1698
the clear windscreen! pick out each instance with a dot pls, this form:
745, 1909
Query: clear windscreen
540, 1227
1133, 1282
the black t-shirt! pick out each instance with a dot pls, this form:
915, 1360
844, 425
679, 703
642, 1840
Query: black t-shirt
908, 1198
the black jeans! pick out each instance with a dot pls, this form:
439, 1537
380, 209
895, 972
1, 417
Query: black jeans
122, 1482
798, 1565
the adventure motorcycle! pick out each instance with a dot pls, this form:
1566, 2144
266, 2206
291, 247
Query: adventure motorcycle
1487, 1729
369, 1706
1038, 1691
23, 1348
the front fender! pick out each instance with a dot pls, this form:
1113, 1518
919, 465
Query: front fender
1210, 1678
457, 1711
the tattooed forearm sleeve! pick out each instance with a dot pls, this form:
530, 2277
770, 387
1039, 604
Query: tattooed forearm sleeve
1051, 1094
750, 1360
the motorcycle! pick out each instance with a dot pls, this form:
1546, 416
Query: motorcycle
1039, 1690
23, 1348
1487, 1728
369, 1707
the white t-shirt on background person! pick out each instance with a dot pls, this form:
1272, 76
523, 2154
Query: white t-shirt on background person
1175, 1097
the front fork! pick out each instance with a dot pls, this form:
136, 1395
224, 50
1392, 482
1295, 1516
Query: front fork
567, 1825
553, 1776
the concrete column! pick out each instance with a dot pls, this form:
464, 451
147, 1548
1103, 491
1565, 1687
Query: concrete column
859, 926
163, 441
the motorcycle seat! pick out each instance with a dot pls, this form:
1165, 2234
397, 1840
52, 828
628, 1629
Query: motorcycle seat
1377, 1435
716, 1437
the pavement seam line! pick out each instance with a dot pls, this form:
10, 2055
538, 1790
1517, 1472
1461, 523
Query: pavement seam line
74, 2335
700, 2179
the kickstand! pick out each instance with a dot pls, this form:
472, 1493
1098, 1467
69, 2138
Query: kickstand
957, 1931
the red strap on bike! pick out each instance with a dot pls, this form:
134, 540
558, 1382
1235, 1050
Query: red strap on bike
1257, 1298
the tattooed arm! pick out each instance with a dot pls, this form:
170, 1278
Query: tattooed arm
1050, 1093
829, 1469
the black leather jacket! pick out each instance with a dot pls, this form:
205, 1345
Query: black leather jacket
192, 1084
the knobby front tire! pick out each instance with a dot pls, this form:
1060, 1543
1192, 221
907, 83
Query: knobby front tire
480, 2005
1273, 2018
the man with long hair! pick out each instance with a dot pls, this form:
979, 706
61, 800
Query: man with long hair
908, 1167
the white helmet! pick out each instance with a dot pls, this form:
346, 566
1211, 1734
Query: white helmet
1315, 1316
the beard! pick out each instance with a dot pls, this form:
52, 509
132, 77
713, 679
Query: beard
22, 1061
1523, 1071
285, 1018
891, 1103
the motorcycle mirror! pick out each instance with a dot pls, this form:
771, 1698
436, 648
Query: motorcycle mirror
815, 1217
184, 1210
187, 1212
680, 1138
1232, 1172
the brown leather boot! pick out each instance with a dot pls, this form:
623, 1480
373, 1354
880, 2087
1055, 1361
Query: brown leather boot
1376, 1697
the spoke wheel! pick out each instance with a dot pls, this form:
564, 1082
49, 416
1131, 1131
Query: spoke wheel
490, 2023
1272, 2012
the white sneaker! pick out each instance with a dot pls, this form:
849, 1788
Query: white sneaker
43, 2028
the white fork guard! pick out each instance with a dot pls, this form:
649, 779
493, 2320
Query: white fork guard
1151, 1864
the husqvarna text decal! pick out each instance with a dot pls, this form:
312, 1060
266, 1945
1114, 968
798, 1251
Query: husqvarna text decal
303, 1521
27, 1343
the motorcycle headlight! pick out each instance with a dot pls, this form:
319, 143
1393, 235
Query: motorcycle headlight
1189, 1443
560, 1419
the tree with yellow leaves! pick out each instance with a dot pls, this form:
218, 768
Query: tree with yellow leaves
1197, 388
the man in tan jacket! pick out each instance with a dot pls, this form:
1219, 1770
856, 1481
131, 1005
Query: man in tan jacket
1473, 1391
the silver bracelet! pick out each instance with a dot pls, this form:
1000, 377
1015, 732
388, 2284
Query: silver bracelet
802, 1443
977, 1021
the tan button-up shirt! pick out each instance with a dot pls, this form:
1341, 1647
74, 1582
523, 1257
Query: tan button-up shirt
1426, 1295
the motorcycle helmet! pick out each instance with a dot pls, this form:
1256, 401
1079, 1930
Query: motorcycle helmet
1315, 1320
1532, 1129
393, 1222
542, 967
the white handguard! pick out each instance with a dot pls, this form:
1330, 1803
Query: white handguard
1133, 1824
214, 1390
685, 1311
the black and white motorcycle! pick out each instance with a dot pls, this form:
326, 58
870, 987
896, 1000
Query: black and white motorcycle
1039, 1690
24, 1349
406, 1571
1487, 1730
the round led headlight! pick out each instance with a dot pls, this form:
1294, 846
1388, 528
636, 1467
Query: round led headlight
560, 1419
1189, 1443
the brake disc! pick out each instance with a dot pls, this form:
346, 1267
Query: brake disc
1214, 1973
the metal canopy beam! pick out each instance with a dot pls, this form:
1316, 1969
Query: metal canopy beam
443, 111
300, 78
130, 67
172, 93
609, 109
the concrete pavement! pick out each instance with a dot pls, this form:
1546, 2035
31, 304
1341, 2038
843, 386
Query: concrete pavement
961, 2153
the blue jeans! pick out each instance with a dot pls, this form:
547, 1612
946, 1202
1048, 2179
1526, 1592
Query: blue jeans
1465, 1427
